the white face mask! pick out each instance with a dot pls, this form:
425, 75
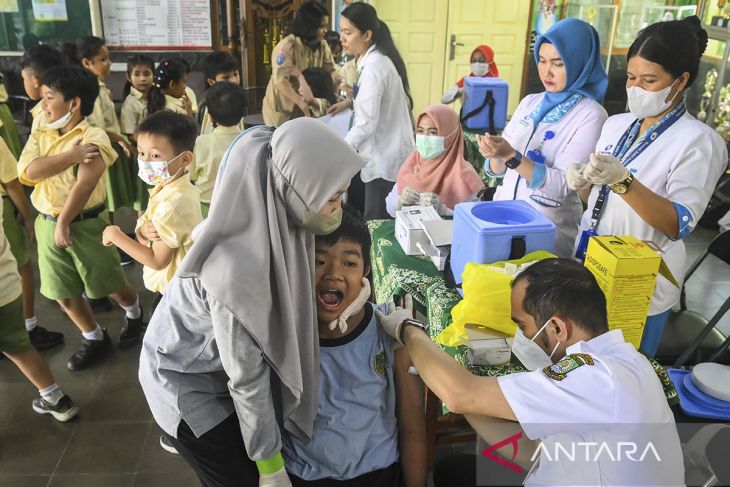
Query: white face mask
61, 122
529, 353
643, 104
479, 69
156, 172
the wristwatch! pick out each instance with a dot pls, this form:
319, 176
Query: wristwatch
410, 322
514, 161
623, 186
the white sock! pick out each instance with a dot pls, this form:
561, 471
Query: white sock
31, 323
51, 394
95, 334
133, 312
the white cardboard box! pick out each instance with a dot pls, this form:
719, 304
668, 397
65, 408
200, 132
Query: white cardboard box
408, 229
487, 346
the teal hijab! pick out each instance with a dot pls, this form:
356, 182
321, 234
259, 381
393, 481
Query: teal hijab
578, 45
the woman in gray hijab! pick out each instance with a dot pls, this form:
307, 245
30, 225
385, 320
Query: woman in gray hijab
231, 353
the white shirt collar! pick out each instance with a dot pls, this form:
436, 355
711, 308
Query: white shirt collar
602, 342
361, 60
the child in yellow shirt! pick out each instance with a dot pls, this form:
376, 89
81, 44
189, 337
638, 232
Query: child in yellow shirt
92, 54
140, 71
165, 142
169, 89
18, 229
35, 62
66, 163
226, 104
219, 66
15, 344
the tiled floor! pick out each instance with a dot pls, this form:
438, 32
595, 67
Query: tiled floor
114, 442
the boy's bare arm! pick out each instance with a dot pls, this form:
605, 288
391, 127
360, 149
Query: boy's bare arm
411, 418
156, 256
47, 166
86, 180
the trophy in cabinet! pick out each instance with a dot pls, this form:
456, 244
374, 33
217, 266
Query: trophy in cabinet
723, 113
706, 99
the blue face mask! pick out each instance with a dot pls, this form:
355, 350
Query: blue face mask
430, 146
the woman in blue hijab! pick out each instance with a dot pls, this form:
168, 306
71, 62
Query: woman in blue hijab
551, 130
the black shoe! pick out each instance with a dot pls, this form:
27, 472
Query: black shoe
63, 410
43, 339
167, 445
101, 305
123, 256
132, 332
91, 351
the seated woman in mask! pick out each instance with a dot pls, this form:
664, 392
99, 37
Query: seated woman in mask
435, 174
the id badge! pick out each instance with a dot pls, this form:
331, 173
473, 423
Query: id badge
580, 252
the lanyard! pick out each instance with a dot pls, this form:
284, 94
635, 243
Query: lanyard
623, 146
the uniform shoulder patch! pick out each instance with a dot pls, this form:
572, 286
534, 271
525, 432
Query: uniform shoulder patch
560, 370
379, 363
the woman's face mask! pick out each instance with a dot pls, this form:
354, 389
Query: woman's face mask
430, 146
643, 103
156, 172
322, 225
529, 353
480, 69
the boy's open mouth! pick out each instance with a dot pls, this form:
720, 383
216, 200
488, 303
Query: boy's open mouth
330, 299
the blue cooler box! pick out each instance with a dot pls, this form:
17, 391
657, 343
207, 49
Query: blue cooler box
477, 105
495, 231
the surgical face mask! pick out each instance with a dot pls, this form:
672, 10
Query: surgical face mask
479, 69
61, 122
529, 353
643, 104
430, 146
156, 172
322, 225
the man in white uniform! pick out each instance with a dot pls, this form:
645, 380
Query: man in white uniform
588, 391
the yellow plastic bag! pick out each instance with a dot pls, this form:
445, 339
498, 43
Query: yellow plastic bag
486, 300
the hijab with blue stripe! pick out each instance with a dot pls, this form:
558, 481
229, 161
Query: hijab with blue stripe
579, 47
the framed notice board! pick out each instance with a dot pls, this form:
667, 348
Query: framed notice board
27, 22
139, 25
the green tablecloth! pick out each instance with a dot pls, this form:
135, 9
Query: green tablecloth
395, 273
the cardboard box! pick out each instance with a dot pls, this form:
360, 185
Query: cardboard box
408, 229
626, 270
487, 346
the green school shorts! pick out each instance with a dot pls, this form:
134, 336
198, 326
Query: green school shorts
15, 232
86, 265
13, 335
205, 208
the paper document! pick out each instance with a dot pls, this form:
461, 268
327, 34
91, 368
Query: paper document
339, 122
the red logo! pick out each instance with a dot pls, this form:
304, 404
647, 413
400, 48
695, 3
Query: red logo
490, 452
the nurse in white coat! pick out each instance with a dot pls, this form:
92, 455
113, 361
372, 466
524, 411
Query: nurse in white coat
656, 167
549, 131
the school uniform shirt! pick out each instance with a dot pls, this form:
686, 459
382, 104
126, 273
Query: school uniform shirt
39, 116
176, 104
602, 392
8, 167
348, 71
206, 125
683, 165
134, 110
381, 130
10, 287
208, 152
290, 57
575, 126
104, 115
174, 210
355, 430
50, 194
